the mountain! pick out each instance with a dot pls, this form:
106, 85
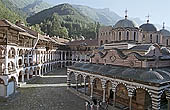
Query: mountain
35, 7
66, 11
6, 13
64, 17
26, 7
13, 8
103, 16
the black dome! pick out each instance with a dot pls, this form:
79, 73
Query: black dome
148, 27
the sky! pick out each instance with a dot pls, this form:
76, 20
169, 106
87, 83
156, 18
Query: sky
159, 10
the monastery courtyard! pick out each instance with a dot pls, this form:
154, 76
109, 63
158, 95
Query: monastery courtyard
45, 93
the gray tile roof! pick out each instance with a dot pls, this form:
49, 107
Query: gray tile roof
145, 75
143, 47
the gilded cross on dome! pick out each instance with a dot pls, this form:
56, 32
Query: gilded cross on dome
163, 25
126, 13
148, 17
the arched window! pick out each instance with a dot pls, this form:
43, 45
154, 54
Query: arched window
157, 39
151, 38
143, 38
101, 42
127, 35
113, 34
167, 43
134, 36
120, 35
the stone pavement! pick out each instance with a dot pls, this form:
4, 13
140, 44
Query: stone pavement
45, 93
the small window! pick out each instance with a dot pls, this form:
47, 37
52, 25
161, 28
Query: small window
143, 38
119, 35
151, 38
113, 33
157, 39
134, 36
167, 42
127, 34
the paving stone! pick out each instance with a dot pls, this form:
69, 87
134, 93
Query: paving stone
45, 98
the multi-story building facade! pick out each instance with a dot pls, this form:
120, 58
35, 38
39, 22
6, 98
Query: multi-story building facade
25, 54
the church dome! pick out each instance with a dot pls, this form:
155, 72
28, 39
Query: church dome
165, 32
151, 75
125, 23
148, 27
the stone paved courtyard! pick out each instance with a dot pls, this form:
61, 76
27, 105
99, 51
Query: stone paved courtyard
46, 93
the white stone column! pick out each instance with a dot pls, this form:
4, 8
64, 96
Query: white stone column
130, 94
28, 60
85, 57
6, 62
156, 104
114, 93
16, 62
104, 90
91, 93
28, 77
22, 78
84, 84
61, 55
23, 61
90, 60
130, 102
76, 82
65, 55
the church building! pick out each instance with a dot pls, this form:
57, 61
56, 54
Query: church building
130, 69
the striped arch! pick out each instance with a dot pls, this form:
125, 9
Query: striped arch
122, 84
141, 87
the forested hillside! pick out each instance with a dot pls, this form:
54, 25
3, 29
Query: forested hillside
6, 13
26, 7
64, 20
